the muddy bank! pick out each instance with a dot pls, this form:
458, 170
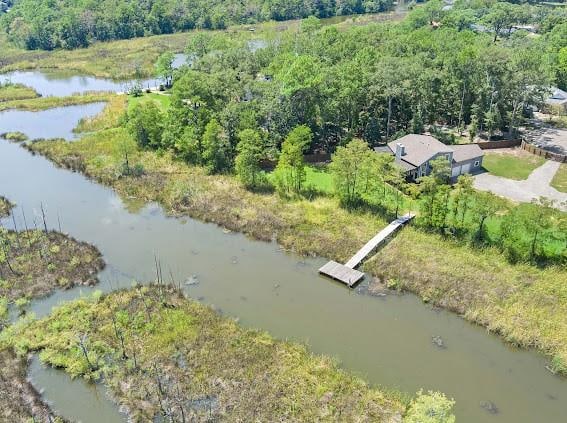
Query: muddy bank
19, 400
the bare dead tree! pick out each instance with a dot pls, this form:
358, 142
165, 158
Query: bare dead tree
43, 217
120, 336
82, 344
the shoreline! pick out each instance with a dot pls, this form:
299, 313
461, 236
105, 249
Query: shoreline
435, 279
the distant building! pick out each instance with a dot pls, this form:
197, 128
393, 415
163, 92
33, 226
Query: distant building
557, 99
414, 154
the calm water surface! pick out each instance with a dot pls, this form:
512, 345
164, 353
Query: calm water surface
385, 340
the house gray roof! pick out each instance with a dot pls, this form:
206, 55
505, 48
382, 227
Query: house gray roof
419, 148
465, 152
558, 96
382, 149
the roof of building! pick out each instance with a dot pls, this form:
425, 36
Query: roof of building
558, 96
419, 148
462, 153
382, 149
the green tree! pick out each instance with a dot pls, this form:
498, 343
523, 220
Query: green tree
215, 148
145, 124
290, 170
484, 206
247, 163
462, 199
350, 167
164, 68
189, 146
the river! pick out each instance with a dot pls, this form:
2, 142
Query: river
387, 340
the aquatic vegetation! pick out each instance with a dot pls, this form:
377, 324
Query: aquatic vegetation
432, 407
164, 355
109, 118
14, 136
5, 207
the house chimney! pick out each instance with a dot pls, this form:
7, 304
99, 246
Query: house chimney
400, 151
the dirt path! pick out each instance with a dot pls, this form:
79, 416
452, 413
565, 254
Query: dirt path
537, 185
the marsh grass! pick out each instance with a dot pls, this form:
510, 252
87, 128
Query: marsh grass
14, 136
160, 353
44, 103
108, 118
34, 263
13, 92
126, 59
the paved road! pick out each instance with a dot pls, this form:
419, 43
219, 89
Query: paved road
537, 185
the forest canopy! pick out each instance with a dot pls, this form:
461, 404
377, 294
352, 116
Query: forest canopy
49, 24
375, 82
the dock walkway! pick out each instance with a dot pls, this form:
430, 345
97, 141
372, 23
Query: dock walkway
347, 273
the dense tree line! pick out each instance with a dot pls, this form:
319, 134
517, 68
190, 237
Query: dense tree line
375, 82
47, 24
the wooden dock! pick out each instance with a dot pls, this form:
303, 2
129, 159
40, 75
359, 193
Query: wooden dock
347, 273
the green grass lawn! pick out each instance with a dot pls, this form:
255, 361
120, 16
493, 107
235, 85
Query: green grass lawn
163, 100
559, 181
511, 166
319, 179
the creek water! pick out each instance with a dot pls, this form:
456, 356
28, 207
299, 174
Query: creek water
387, 341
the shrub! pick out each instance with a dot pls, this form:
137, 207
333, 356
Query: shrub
433, 407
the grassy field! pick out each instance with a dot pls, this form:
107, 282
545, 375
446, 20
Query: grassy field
162, 100
512, 164
559, 181
14, 92
320, 227
154, 350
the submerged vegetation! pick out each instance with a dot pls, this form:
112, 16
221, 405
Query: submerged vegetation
164, 355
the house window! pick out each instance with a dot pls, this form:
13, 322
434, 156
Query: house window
477, 163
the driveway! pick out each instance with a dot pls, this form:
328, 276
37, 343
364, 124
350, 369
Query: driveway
544, 135
537, 185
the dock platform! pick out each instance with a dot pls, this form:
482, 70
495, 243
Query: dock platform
341, 273
346, 273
